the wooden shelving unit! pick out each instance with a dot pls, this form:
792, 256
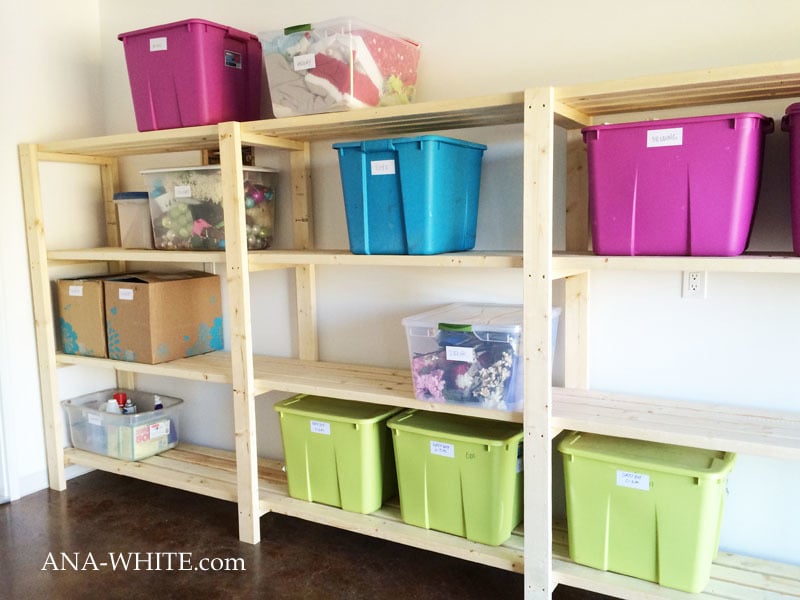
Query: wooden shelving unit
258, 485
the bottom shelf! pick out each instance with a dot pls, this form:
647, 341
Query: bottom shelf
212, 473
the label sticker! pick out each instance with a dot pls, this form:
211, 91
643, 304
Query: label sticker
159, 429
442, 449
658, 138
158, 44
304, 61
125, 294
233, 59
76, 290
637, 481
321, 427
182, 191
460, 353
382, 167
95, 419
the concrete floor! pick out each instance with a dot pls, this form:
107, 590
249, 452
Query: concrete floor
54, 545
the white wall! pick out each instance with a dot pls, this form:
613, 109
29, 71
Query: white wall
645, 338
51, 79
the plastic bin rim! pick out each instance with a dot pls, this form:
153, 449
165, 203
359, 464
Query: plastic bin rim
664, 123
411, 140
793, 108
174, 24
206, 168
718, 469
426, 319
359, 25
397, 423
286, 406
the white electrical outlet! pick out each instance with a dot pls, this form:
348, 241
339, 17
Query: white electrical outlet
694, 285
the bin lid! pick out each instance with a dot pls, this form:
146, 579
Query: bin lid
767, 123
457, 427
335, 409
466, 316
654, 456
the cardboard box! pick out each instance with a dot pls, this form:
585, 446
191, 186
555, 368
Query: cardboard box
81, 315
157, 317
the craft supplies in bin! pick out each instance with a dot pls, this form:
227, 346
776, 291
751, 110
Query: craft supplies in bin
469, 354
338, 452
644, 509
193, 72
133, 214
414, 195
96, 423
675, 186
460, 475
337, 65
186, 207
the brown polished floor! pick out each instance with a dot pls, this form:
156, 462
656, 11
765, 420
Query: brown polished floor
102, 518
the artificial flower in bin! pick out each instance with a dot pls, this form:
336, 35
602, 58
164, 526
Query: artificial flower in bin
466, 369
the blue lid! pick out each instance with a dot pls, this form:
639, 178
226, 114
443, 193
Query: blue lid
130, 196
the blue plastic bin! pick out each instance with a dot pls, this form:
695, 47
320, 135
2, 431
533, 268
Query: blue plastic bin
411, 195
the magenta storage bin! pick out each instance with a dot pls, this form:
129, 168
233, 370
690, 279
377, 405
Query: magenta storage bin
677, 187
193, 72
789, 123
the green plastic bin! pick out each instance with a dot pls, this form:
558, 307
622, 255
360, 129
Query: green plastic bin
338, 452
644, 509
458, 474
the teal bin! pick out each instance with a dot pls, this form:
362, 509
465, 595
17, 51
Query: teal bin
411, 195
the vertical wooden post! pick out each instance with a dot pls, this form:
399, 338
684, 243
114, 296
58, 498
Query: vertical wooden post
537, 296
238, 276
305, 275
576, 309
42, 314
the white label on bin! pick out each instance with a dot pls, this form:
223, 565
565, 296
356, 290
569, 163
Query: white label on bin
125, 294
381, 167
304, 61
657, 138
159, 429
442, 449
233, 59
460, 354
321, 427
158, 44
182, 191
637, 481
76, 290
95, 419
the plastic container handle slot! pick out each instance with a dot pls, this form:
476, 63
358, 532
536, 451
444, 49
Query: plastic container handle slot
296, 28
455, 327
238, 34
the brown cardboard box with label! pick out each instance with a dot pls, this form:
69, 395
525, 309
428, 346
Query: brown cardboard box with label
82, 319
156, 317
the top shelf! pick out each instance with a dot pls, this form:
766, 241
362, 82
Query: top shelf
575, 106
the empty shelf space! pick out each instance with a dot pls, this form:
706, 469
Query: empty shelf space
702, 425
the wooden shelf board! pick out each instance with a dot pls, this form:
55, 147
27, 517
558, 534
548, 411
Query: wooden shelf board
565, 264
703, 87
733, 577
483, 111
392, 387
212, 473
718, 427
287, 258
133, 255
